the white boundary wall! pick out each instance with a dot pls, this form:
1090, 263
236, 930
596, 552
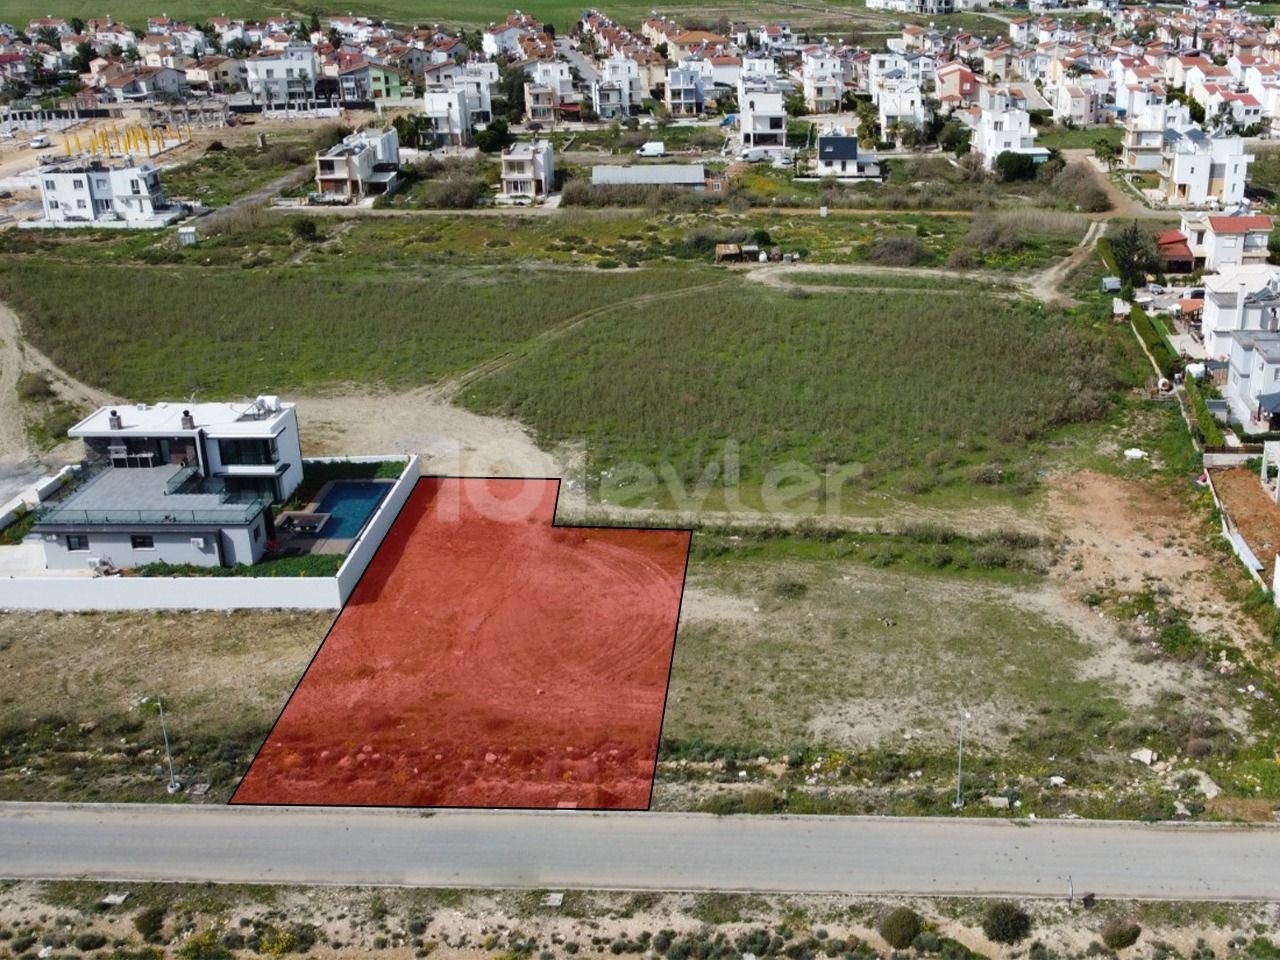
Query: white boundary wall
220, 593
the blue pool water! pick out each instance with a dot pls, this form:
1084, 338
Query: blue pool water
349, 504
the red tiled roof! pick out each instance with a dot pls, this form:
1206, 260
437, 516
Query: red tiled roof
1240, 224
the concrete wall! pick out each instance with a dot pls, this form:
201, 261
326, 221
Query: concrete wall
366, 545
170, 593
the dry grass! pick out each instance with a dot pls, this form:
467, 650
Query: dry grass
72, 686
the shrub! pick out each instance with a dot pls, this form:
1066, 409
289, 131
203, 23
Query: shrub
899, 927
1006, 922
1015, 166
1120, 932
304, 228
90, 941
35, 386
204, 946
150, 922
897, 251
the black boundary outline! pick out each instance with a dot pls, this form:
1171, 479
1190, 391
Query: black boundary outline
559, 482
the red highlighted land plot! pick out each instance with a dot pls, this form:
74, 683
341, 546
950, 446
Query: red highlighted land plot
487, 659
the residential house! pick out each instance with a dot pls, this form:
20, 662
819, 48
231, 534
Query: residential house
175, 483
148, 83
837, 156
549, 93
285, 76
1144, 130
683, 93
1227, 240
369, 81
364, 164
504, 38
822, 75
445, 106
901, 105
762, 114
957, 86
1001, 127
1239, 298
1077, 106
617, 90
93, 192
1199, 169
218, 74
528, 170
1252, 389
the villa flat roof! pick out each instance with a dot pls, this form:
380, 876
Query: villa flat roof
227, 420
139, 496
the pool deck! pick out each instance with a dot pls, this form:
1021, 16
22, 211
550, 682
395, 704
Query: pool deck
307, 543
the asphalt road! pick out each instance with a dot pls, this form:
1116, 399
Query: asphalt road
638, 851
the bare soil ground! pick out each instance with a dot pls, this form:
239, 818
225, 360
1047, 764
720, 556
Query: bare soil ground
462, 924
72, 719
1128, 536
1254, 513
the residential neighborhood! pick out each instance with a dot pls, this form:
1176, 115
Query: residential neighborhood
700, 482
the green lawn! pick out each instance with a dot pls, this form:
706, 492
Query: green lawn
221, 176
911, 391
171, 331
1060, 138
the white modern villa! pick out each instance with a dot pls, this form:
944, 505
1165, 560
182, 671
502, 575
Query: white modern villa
175, 483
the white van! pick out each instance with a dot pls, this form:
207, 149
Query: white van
39, 142
654, 148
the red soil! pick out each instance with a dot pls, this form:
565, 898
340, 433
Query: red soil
487, 659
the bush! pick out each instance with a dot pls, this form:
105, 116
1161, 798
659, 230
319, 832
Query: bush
1076, 183
897, 252
35, 386
1006, 922
90, 941
304, 228
899, 927
204, 946
1011, 166
149, 923
1120, 932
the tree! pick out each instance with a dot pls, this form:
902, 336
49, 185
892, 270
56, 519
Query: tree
132, 55
1012, 166
84, 53
77, 26
495, 138
1006, 922
1119, 932
796, 107
1135, 252
912, 136
954, 137
48, 36
1107, 152
315, 21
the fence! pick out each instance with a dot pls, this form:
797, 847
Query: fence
221, 593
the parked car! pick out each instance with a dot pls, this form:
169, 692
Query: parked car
654, 148
39, 142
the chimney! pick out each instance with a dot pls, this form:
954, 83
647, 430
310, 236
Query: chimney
114, 422
188, 421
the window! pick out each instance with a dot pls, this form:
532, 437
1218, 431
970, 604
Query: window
257, 533
50, 185
136, 187
80, 204
101, 183
77, 542
77, 183
143, 541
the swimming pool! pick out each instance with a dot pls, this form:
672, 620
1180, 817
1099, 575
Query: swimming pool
349, 504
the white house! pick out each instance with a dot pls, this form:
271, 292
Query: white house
528, 170
837, 156
1226, 240
1239, 298
1198, 169
900, 104
1145, 126
684, 94
1252, 390
178, 483
617, 90
445, 106
1076, 105
366, 163
283, 76
822, 75
549, 93
762, 114
1002, 128
93, 192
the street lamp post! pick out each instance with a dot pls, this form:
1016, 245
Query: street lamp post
173, 786
959, 801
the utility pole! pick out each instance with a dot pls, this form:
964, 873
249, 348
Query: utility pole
959, 801
173, 786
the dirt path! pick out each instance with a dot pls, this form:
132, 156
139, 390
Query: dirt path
20, 465
1047, 284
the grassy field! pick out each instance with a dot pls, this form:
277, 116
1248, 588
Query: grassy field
221, 176
71, 710
918, 390
155, 330
1060, 138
